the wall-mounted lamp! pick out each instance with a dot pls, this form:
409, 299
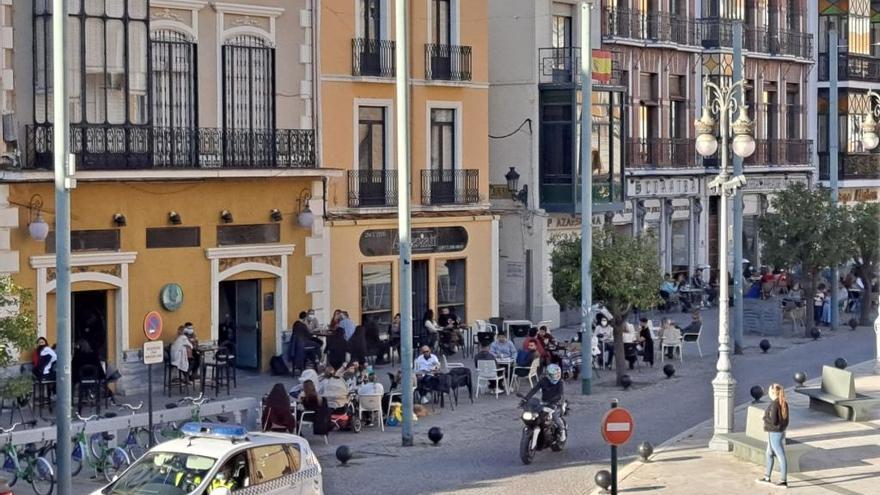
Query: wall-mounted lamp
305, 218
275, 215
521, 195
37, 227
119, 219
226, 216
174, 217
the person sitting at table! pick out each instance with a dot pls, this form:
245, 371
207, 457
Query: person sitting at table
374, 343
539, 346
525, 357
425, 366
277, 415
44, 360
303, 346
190, 333
486, 355
182, 354
646, 340
668, 291
546, 338
670, 333
629, 344
709, 293
371, 387
337, 348
695, 325
334, 389
313, 402
503, 347
430, 329
605, 333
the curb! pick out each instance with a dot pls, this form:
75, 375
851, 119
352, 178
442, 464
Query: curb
634, 466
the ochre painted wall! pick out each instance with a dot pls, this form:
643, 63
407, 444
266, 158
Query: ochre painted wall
346, 262
146, 204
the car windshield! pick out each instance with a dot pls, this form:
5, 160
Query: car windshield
163, 473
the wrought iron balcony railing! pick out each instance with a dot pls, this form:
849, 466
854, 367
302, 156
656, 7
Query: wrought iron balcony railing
662, 153
851, 67
450, 187
794, 43
447, 62
563, 66
371, 57
372, 188
120, 147
649, 26
780, 152
852, 166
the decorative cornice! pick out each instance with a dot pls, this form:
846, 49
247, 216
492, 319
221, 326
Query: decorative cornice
168, 174
249, 10
179, 4
84, 259
250, 251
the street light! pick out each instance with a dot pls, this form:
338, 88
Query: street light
721, 101
871, 140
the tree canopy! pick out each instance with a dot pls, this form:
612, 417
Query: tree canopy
864, 234
18, 330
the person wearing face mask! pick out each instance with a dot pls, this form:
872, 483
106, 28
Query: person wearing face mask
552, 391
190, 333
605, 333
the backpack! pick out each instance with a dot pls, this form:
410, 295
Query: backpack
277, 366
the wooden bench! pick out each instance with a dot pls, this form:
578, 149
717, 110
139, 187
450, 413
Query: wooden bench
751, 445
838, 396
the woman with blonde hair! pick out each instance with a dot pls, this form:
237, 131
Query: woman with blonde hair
775, 424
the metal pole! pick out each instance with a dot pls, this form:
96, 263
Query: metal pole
62, 244
723, 384
738, 206
402, 94
150, 404
613, 459
586, 196
833, 152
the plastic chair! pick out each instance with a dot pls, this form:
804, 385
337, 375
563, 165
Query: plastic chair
674, 345
302, 421
531, 375
371, 403
488, 371
692, 338
447, 365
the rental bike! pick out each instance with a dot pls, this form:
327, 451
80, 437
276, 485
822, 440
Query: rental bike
137, 442
95, 451
28, 465
170, 430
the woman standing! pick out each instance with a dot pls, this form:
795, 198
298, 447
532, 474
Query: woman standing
775, 424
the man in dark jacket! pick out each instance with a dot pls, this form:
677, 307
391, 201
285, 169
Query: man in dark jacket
552, 390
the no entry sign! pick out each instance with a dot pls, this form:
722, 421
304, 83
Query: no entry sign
617, 426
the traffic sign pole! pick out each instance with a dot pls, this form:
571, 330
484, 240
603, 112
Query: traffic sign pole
150, 404
614, 459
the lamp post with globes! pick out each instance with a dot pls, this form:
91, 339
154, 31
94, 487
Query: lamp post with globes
721, 100
871, 140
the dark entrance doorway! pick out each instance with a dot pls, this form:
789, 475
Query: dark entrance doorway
240, 317
420, 295
89, 315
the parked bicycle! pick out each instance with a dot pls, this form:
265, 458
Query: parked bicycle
138, 440
28, 465
95, 451
170, 430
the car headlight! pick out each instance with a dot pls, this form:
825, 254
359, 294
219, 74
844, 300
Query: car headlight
528, 416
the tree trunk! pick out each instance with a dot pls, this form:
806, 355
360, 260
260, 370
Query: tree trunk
809, 293
619, 360
867, 296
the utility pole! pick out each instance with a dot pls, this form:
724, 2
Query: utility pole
402, 94
586, 194
833, 152
63, 183
738, 205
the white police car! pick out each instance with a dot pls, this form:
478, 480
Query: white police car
218, 459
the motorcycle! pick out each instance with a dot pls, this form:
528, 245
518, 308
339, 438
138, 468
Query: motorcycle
539, 429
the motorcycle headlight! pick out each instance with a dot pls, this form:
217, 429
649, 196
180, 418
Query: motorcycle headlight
528, 416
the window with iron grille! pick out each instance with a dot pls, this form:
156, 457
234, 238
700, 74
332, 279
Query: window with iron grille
248, 84
107, 62
174, 74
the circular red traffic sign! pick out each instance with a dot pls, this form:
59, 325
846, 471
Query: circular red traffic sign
617, 426
153, 325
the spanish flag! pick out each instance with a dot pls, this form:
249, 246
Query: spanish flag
601, 66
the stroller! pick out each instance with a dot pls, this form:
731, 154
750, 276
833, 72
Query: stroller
571, 363
346, 417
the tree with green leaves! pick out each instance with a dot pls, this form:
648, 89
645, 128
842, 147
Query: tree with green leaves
864, 227
805, 230
18, 331
626, 276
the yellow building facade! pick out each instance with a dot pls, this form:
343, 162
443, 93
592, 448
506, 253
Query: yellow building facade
455, 238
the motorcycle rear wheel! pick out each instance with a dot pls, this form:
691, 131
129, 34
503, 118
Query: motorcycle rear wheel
526, 452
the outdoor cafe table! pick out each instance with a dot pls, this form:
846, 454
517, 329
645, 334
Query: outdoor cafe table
693, 294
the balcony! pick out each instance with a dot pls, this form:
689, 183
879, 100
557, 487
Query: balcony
450, 187
650, 26
119, 147
656, 153
793, 43
852, 166
563, 66
372, 188
851, 67
371, 57
780, 152
447, 62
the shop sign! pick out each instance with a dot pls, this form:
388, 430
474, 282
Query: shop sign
771, 184
571, 222
662, 187
385, 242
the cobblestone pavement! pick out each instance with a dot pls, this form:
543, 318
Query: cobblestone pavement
479, 451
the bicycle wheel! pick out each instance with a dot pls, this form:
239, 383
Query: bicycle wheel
115, 462
9, 470
43, 477
141, 445
96, 445
76, 459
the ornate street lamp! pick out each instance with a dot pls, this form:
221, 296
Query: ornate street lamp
721, 101
871, 140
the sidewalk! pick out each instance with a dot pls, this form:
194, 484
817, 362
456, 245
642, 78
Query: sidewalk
846, 459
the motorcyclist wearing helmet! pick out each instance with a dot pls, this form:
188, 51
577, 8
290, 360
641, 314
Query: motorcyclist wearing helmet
551, 388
